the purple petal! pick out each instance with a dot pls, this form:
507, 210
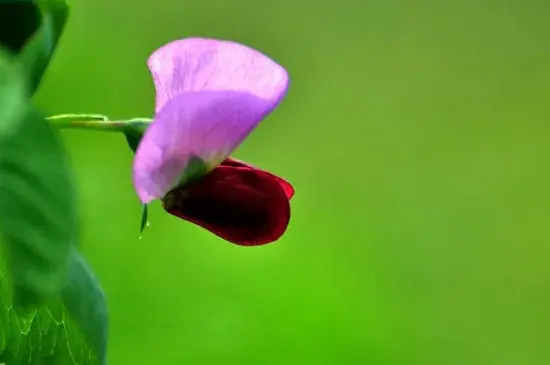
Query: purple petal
199, 64
213, 94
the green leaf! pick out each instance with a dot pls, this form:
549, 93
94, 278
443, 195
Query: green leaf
12, 92
37, 53
38, 213
19, 19
69, 329
85, 301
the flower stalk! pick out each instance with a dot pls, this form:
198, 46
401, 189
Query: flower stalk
98, 122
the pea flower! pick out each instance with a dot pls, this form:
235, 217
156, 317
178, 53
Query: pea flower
210, 94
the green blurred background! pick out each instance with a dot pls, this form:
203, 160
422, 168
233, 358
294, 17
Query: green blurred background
416, 134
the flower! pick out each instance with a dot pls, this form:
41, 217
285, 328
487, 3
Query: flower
210, 94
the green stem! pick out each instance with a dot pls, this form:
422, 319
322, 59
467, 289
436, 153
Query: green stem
98, 122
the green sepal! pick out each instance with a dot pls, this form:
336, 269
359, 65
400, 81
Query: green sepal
144, 219
133, 130
196, 168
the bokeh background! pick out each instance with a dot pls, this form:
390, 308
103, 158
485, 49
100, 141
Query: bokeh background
416, 134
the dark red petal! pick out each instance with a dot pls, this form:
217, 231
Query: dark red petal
230, 161
244, 206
